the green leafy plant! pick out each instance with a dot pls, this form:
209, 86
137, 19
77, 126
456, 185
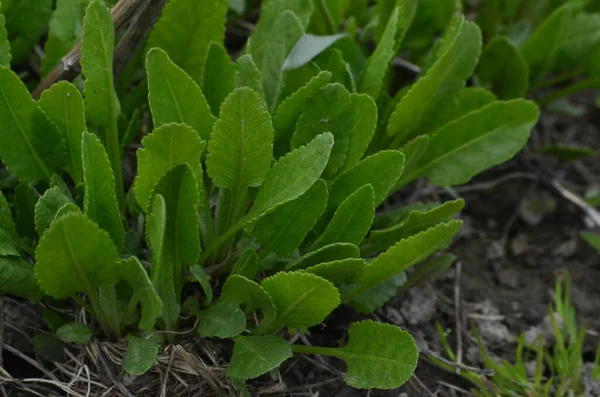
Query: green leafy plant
262, 175
559, 366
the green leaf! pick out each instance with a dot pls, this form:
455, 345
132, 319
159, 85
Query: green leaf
413, 151
419, 106
240, 149
25, 199
542, 47
9, 239
239, 6
404, 254
333, 61
375, 297
101, 102
63, 104
380, 170
328, 15
199, 23
592, 239
248, 75
262, 34
427, 271
582, 32
332, 252
65, 30
17, 278
373, 74
75, 255
75, 333
503, 69
291, 176
378, 355
222, 320
26, 21
408, 9
140, 356
283, 230
416, 221
256, 355
307, 48
364, 122
286, 31
567, 152
297, 78
173, 227
204, 280
352, 219
219, 76
302, 299
132, 130
247, 264
329, 110
468, 100
290, 109
5, 56
100, 200
174, 96
340, 271
163, 149
47, 207
239, 290
454, 154
132, 271
28, 152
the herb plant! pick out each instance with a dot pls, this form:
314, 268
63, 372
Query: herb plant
258, 181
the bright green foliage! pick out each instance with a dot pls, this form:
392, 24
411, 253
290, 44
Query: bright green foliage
333, 61
364, 122
64, 31
378, 355
167, 146
427, 271
5, 56
17, 278
256, 355
503, 69
27, 152
283, 230
380, 170
286, 31
241, 291
100, 201
329, 110
185, 30
132, 271
373, 74
543, 46
290, 109
581, 33
204, 280
405, 254
468, 100
140, 356
292, 175
302, 299
454, 154
47, 208
332, 252
240, 149
63, 104
101, 103
222, 320
375, 297
352, 219
592, 239
248, 75
75, 255
417, 109
247, 264
339, 271
219, 76
174, 97
25, 200
75, 333
8, 233
328, 15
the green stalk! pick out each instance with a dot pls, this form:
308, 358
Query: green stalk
323, 351
105, 324
222, 239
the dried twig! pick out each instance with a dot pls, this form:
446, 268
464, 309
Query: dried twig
139, 14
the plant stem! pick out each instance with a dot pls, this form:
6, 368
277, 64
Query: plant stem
101, 316
222, 239
113, 149
585, 84
323, 351
561, 78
